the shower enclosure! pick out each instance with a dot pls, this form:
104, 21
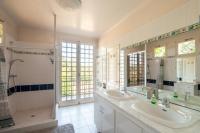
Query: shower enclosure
5, 116
30, 83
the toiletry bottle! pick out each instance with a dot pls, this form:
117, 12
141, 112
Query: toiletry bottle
153, 99
175, 95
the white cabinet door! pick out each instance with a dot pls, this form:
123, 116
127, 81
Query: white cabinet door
97, 115
124, 125
107, 119
104, 116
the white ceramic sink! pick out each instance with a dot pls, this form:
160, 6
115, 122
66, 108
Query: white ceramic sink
115, 94
174, 117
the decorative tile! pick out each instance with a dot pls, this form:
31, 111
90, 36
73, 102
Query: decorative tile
153, 81
12, 90
25, 88
43, 87
29, 52
18, 88
168, 83
35, 87
166, 35
50, 86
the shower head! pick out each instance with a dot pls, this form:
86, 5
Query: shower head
13, 61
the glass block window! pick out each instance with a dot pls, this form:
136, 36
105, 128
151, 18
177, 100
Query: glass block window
121, 70
136, 69
159, 52
86, 71
187, 47
1, 33
68, 71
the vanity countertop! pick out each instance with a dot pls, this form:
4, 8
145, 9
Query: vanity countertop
121, 105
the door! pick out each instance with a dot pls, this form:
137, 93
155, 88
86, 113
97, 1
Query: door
77, 77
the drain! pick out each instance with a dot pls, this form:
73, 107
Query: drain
32, 115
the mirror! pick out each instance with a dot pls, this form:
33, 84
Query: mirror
135, 59
186, 69
168, 62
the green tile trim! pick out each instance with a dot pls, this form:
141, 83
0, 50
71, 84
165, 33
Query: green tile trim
166, 35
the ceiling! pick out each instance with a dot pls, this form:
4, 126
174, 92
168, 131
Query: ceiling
93, 18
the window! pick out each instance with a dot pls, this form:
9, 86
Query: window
76, 71
187, 47
1, 33
136, 69
159, 52
121, 71
86, 71
68, 71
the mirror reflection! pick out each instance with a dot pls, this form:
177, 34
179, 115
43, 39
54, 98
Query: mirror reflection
168, 67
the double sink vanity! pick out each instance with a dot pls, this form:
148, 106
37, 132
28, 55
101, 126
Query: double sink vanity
131, 112
161, 81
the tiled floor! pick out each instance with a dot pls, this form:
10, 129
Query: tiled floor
81, 116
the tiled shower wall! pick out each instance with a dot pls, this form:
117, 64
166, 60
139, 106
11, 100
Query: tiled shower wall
33, 86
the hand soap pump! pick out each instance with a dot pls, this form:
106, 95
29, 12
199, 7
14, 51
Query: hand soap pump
175, 95
153, 98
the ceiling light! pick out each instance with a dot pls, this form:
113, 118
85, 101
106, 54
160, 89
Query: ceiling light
69, 4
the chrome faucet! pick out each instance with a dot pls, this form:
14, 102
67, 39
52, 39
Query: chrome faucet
187, 96
166, 102
152, 91
104, 85
156, 94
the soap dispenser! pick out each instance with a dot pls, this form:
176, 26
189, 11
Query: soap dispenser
153, 99
175, 94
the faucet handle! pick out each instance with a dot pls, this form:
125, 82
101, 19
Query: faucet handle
187, 95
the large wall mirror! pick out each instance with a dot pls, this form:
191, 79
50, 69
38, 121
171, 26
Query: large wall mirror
168, 62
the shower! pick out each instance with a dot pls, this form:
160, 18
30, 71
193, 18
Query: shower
11, 63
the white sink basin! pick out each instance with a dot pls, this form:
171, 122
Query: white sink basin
174, 117
115, 94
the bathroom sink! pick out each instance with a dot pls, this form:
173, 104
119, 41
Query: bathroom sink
173, 117
115, 94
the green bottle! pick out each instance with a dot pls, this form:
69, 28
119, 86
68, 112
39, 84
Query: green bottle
175, 94
153, 99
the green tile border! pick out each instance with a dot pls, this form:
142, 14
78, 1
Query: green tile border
166, 35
